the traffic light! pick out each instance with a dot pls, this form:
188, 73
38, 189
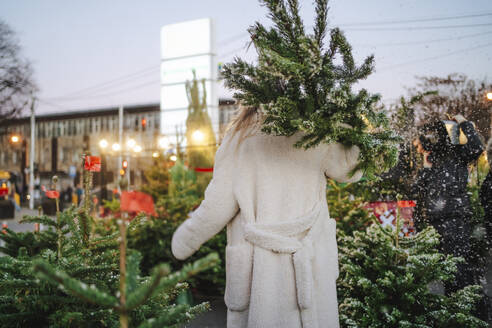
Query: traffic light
122, 172
124, 164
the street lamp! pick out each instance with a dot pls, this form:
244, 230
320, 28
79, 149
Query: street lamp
103, 143
163, 142
137, 149
116, 147
131, 143
15, 138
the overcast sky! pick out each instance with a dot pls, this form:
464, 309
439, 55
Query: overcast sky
91, 54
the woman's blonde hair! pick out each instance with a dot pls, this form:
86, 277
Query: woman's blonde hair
247, 119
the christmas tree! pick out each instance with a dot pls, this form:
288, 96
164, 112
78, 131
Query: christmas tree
384, 282
27, 301
33, 242
347, 209
84, 281
152, 237
301, 83
157, 177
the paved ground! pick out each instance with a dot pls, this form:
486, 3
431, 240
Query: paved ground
13, 224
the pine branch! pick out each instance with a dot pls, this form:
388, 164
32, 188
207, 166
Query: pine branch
73, 286
43, 219
299, 87
321, 18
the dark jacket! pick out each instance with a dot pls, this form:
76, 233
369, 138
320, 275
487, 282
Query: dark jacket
441, 190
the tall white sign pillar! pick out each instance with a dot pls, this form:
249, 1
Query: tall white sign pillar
185, 47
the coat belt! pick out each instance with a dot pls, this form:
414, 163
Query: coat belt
284, 238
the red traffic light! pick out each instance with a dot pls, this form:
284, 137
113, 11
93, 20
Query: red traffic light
125, 164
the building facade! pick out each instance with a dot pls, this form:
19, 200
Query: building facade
63, 138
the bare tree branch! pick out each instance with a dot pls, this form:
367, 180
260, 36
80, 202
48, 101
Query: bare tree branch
16, 81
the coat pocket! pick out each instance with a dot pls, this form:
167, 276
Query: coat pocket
239, 265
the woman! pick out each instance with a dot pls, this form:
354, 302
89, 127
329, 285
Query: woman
281, 254
441, 191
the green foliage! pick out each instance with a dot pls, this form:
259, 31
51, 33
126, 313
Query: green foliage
302, 85
347, 209
139, 291
41, 289
183, 194
157, 179
384, 282
479, 245
33, 242
27, 301
113, 205
152, 237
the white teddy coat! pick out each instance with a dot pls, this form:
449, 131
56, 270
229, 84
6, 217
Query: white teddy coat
281, 254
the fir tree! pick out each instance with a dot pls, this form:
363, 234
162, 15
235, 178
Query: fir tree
348, 210
27, 301
302, 84
152, 237
157, 179
82, 282
384, 282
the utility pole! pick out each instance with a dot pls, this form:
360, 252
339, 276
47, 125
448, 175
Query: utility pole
129, 172
31, 157
120, 141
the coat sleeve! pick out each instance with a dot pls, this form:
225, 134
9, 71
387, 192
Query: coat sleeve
216, 210
339, 161
470, 151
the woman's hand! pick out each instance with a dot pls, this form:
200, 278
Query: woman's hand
427, 163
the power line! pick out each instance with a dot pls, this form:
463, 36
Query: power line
412, 20
77, 98
106, 84
417, 20
410, 28
435, 57
423, 41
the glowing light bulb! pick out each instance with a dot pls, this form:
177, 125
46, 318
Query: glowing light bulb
103, 143
198, 136
163, 142
116, 147
131, 143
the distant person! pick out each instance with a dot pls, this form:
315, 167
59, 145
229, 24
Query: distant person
13, 196
79, 191
441, 191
